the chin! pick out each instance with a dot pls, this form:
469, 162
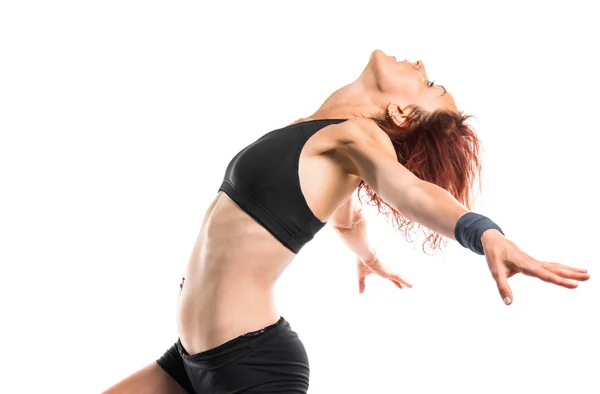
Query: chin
379, 54
380, 58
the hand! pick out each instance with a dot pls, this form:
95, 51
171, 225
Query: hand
505, 259
365, 269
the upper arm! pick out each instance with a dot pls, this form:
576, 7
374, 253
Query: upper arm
370, 156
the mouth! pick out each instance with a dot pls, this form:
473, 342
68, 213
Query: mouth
403, 61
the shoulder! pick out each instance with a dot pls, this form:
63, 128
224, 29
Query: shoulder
359, 146
363, 134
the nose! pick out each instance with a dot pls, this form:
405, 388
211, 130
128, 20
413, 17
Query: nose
419, 66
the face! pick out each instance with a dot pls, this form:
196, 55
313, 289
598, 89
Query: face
405, 83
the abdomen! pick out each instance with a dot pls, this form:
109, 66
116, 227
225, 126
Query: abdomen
230, 278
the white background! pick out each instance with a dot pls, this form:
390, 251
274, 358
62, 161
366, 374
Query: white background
117, 121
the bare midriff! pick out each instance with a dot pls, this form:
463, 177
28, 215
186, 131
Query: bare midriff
230, 278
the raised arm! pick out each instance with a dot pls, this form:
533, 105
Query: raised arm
372, 158
369, 154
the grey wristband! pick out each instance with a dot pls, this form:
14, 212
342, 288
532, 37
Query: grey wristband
469, 229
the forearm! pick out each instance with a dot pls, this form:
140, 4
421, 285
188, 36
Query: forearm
417, 200
433, 207
355, 238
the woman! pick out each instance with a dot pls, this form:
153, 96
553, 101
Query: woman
393, 134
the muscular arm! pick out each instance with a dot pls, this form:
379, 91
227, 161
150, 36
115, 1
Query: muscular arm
373, 159
368, 153
350, 224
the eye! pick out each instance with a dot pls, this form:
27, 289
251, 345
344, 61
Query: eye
430, 83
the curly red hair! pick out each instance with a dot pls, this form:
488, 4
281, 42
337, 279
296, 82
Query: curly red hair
438, 147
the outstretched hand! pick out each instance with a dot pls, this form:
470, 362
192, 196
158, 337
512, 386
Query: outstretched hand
376, 267
505, 259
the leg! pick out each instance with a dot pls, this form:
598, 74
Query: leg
283, 364
151, 379
165, 376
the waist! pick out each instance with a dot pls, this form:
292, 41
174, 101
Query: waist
227, 352
212, 311
230, 278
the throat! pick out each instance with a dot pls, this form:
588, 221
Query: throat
347, 103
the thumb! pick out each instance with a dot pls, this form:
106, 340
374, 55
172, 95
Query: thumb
504, 289
361, 284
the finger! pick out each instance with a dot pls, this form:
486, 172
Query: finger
567, 272
399, 279
396, 278
361, 284
583, 270
501, 279
398, 285
547, 276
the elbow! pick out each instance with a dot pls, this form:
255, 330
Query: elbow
343, 231
350, 227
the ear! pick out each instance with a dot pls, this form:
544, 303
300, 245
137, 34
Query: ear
394, 112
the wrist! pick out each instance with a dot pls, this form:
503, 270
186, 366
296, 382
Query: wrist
489, 235
369, 258
470, 228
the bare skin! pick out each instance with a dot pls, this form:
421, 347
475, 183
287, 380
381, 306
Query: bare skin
235, 263
151, 379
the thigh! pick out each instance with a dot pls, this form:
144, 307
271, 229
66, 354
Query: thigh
151, 379
283, 364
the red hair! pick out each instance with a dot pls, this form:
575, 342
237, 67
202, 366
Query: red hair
438, 147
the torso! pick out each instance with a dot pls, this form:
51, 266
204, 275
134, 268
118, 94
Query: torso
230, 277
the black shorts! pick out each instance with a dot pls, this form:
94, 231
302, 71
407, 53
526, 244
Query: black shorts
271, 360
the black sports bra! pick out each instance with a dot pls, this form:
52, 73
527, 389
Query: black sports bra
263, 180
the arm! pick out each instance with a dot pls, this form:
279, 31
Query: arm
368, 153
350, 224
373, 160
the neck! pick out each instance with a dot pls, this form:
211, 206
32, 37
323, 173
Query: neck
351, 101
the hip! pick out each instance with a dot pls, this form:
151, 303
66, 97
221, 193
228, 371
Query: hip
270, 360
210, 313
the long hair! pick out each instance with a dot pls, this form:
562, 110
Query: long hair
438, 147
